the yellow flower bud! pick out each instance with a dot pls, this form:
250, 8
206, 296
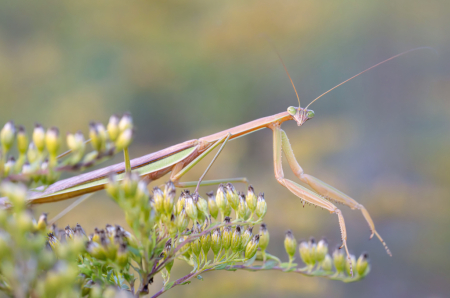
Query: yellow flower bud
124, 139
226, 238
290, 244
213, 209
201, 203
113, 127
221, 199
261, 206
95, 137
9, 166
126, 122
33, 153
196, 246
182, 221
339, 260
305, 253
216, 242
206, 242
158, 199
22, 140
191, 209
52, 141
236, 240
263, 237
42, 222
7, 135
243, 207
362, 265
39, 137
321, 250
251, 199
327, 263
246, 236
232, 196
169, 195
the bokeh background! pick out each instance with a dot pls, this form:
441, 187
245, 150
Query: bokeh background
186, 69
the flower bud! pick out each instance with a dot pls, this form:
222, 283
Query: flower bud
79, 232
191, 209
52, 141
113, 127
22, 140
158, 199
226, 238
261, 206
9, 166
251, 199
102, 134
349, 265
232, 196
122, 256
236, 240
182, 221
252, 247
69, 232
129, 184
42, 222
221, 199
112, 187
124, 139
39, 137
216, 242
212, 206
263, 237
339, 260
94, 135
33, 153
180, 203
321, 250
247, 236
362, 265
196, 246
53, 241
7, 135
206, 242
201, 203
169, 195
290, 244
126, 122
305, 253
243, 207
327, 263
313, 250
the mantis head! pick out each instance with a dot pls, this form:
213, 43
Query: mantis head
300, 115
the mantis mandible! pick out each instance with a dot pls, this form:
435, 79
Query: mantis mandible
179, 159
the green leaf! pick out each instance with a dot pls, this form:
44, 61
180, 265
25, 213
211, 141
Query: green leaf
186, 282
134, 251
269, 264
222, 266
168, 286
250, 261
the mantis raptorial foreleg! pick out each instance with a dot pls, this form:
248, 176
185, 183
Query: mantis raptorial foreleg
300, 191
327, 191
178, 171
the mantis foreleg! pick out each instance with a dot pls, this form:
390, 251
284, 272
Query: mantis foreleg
302, 192
327, 191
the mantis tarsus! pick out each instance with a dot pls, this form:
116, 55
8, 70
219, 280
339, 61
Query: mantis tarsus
180, 158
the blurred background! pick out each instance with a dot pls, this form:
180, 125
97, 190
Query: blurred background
186, 69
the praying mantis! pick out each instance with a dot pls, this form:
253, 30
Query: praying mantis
179, 159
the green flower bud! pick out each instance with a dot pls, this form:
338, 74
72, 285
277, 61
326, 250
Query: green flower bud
129, 184
339, 260
158, 199
206, 242
236, 240
95, 250
263, 237
22, 140
113, 127
191, 209
221, 199
41, 225
232, 196
172, 226
321, 250
126, 122
39, 137
349, 266
33, 153
228, 210
216, 242
251, 199
362, 265
247, 236
226, 238
213, 209
290, 244
313, 250
201, 203
124, 139
305, 253
112, 187
182, 221
243, 208
7, 135
327, 263
252, 247
169, 195
52, 141
196, 246
102, 134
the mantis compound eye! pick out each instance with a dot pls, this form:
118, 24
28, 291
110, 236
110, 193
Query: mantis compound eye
310, 114
292, 111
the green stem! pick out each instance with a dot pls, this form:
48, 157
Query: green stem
126, 157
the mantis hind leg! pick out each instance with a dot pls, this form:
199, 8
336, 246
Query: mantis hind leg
327, 191
302, 192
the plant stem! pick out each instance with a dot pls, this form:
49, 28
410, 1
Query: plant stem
126, 157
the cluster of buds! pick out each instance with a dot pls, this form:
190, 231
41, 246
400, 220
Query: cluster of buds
38, 156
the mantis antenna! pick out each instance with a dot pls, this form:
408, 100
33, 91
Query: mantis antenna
285, 69
378, 64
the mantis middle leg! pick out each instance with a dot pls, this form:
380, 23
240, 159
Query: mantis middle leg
327, 191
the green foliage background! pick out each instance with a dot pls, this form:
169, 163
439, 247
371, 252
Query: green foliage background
188, 69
